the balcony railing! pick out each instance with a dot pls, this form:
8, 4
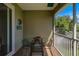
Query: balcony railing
64, 45
77, 45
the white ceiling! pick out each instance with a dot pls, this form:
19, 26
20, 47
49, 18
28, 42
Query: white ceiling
35, 6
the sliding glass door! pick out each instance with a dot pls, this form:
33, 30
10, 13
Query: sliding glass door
5, 30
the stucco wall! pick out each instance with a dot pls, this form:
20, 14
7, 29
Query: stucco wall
37, 23
19, 33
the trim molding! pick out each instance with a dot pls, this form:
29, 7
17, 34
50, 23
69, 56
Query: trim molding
11, 6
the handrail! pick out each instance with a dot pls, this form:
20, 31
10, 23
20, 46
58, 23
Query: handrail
66, 37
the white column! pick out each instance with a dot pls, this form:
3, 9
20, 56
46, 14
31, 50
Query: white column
53, 28
74, 30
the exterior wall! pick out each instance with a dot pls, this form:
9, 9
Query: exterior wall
19, 33
37, 23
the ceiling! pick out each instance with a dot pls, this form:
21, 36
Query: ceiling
36, 6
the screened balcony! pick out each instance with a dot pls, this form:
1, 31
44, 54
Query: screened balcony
63, 39
57, 24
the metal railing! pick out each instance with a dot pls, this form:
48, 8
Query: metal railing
77, 46
65, 44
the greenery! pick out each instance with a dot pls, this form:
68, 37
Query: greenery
78, 27
64, 24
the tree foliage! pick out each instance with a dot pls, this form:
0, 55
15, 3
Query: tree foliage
63, 24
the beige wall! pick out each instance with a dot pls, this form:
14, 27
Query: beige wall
37, 23
19, 33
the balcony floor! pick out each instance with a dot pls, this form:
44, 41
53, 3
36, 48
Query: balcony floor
47, 52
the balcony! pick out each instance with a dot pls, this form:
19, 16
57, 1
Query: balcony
58, 26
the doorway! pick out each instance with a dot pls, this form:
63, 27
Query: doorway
5, 30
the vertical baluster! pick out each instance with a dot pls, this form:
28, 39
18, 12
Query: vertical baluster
77, 48
68, 47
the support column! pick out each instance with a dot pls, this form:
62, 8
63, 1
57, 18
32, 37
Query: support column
53, 28
74, 31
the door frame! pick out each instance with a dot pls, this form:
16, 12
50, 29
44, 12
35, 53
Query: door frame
11, 6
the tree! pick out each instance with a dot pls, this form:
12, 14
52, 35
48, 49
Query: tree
63, 23
71, 25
